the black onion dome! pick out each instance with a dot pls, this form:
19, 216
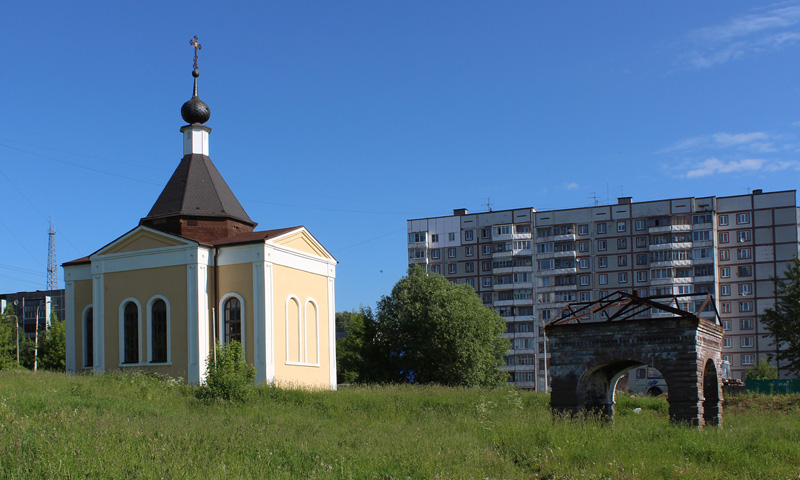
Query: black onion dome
195, 111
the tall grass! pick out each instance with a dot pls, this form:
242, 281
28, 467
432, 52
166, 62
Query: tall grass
114, 426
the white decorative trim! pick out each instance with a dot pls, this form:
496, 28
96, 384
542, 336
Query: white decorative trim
289, 257
221, 307
311, 237
316, 326
99, 301
259, 322
195, 139
70, 324
85, 331
269, 306
74, 273
299, 330
332, 331
122, 305
149, 330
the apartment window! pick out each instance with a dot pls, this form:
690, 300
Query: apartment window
745, 289
621, 227
622, 261
745, 306
451, 236
583, 246
622, 243
704, 218
583, 280
486, 266
469, 251
503, 230
601, 245
486, 249
641, 242
640, 225
602, 262
434, 238
724, 289
701, 235
747, 359
622, 277
602, 279
601, 228
583, 229
522, 245
746, 324
451, 268
487, 298
724, 255
743, 253
487, 281
486, 233
523, 228
451, 252
727, 358
641, 276
583, 263
435, 253
471, 282
726, 324
469, 267
416, 237
641, 259
746, 342
723, 219
743, 236
437, 269
723, 237
726, 307
742, 218
726, 342
546, 264
468, 235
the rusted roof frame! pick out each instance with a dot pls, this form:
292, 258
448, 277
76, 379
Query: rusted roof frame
630, 305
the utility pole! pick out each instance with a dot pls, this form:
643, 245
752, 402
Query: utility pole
52, 266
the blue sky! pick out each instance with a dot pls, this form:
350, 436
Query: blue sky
352, 117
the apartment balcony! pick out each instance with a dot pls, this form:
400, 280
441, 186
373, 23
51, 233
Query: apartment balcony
672, 263
703, 243
703, 260
670, 246
523, 252
564, 238
530, 384
503, 303
561, 288
523, 284
567, 254
500, 237
670, 228
702, 226
521, 318
562, 271
418, 261
704, 279
502, 253
499, 271
523, 301
503, 286
418, 245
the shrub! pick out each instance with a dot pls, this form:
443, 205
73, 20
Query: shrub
229, 377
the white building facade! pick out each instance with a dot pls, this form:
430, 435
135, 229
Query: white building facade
529, 264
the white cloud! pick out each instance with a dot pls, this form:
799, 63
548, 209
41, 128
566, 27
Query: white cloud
755, 141
714, 166
571, 186
747, 35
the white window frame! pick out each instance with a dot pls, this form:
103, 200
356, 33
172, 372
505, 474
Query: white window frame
469, 251
621, 227
451, 268
742, 219
601, 227
602, 279
723, 220
746, 342
435, 253
221, 318
451, 252
747, 359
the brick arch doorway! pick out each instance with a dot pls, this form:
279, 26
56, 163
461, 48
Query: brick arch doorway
592, 344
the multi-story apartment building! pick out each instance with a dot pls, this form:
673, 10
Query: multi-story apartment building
530, 264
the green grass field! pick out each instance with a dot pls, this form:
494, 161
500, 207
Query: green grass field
113, 426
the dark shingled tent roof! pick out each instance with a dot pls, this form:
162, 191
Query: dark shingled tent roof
196, 189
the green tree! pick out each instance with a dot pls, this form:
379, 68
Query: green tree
431, 331
228, 377
359, 358
53, 346
764, 371
783, 320
8, 339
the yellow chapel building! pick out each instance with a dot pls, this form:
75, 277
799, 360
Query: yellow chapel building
195, 271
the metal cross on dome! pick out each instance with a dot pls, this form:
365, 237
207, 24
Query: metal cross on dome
193, 42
